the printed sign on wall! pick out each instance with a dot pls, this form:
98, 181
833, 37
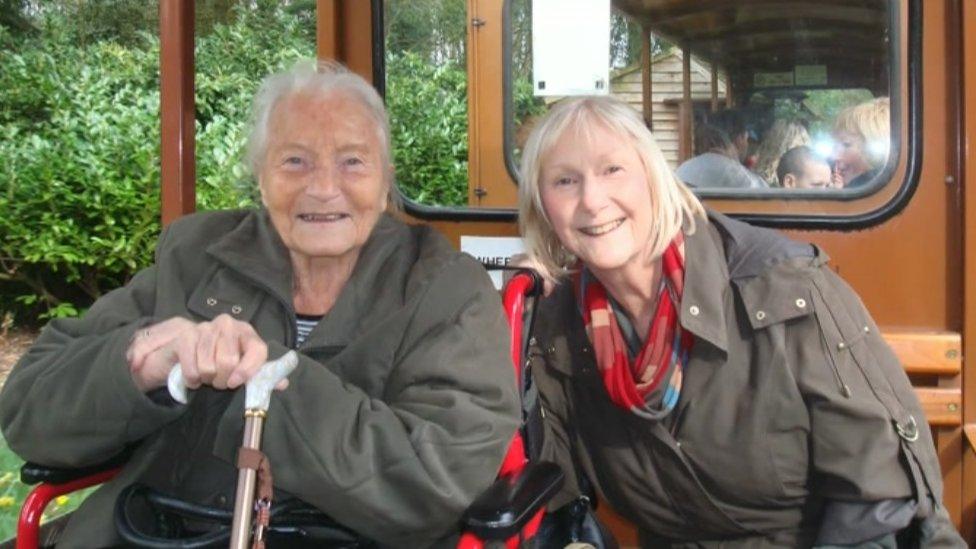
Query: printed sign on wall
492, 250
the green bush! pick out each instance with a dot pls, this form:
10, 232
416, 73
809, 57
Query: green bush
428, 107
79, 149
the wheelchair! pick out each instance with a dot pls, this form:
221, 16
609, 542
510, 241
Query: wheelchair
508, 514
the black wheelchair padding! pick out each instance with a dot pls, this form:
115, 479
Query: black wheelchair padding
32, 473
145, 517
501, 511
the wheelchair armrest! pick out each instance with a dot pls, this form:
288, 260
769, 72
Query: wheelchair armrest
33, 473
504, 508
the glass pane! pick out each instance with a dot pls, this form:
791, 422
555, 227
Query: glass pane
763, 79
426, 94
238, 43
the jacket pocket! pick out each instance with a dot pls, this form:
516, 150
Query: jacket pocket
224, 293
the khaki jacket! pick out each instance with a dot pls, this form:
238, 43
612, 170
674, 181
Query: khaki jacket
790, 398
397, 416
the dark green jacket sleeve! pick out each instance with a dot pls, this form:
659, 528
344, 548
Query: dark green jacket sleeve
71, 401
869, 437
402, 469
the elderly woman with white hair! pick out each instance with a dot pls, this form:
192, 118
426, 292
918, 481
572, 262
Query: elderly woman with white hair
715, 383
403, 402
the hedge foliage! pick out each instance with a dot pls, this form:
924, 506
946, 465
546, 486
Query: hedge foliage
79, 149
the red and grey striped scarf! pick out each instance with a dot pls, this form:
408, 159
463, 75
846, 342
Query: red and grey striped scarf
666, 347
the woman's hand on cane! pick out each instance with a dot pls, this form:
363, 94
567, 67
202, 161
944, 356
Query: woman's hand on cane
223, 353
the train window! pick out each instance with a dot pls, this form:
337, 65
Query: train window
795, 99
427, 98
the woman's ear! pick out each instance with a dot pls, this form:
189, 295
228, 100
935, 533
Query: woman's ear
261, 192
789, 181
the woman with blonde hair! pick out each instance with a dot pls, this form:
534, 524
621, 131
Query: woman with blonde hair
687, 363
782, 136
862, 141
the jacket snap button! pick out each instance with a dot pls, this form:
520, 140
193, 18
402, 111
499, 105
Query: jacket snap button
801, 303
841, 346
236, 309
211, 301
694, 310
760, 315
867, 330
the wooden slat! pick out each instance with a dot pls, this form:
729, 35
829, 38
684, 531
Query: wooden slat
942, 407
936, 353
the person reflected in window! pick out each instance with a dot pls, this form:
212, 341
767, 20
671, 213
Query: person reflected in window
802, 168
717, 164
733, 123
862, 141
782, 136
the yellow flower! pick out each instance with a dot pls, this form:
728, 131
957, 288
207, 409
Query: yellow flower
61, 500
7, 501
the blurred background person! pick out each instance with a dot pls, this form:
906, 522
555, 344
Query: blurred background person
862, 141
717, 163
802, 168
782, 136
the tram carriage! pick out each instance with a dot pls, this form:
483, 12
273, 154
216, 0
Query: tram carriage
905, 241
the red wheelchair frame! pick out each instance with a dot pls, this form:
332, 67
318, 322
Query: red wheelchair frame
511, 510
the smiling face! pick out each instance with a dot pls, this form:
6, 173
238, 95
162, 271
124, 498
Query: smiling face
323, 178
595, 193
851, 158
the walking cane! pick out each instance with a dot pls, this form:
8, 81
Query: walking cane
257, 396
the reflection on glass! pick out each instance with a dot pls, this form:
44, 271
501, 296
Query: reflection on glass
427, 98
761, 81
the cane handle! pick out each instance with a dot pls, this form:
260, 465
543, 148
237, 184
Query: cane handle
257, 392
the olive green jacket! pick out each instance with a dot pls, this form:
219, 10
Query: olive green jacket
790, 398
398, 414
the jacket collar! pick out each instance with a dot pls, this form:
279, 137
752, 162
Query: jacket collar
255, 250
706, 285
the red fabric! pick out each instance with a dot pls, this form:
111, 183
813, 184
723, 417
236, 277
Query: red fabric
629, 383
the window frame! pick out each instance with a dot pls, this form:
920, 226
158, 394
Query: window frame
904, 68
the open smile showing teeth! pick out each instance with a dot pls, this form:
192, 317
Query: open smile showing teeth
597, 230
322, 217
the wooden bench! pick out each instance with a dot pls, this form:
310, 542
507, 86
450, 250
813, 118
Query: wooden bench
934, 362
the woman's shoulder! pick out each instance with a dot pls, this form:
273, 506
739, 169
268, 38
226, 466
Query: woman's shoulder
434, 261
752, 251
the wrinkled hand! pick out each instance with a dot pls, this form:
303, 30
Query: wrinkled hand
223, 353
522, 261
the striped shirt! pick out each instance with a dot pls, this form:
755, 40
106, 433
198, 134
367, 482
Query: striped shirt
305, 324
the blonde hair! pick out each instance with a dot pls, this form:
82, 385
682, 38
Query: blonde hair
782, 136
673, 205
871, 121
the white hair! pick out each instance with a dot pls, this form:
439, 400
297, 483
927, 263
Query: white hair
322, 77
672, 204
